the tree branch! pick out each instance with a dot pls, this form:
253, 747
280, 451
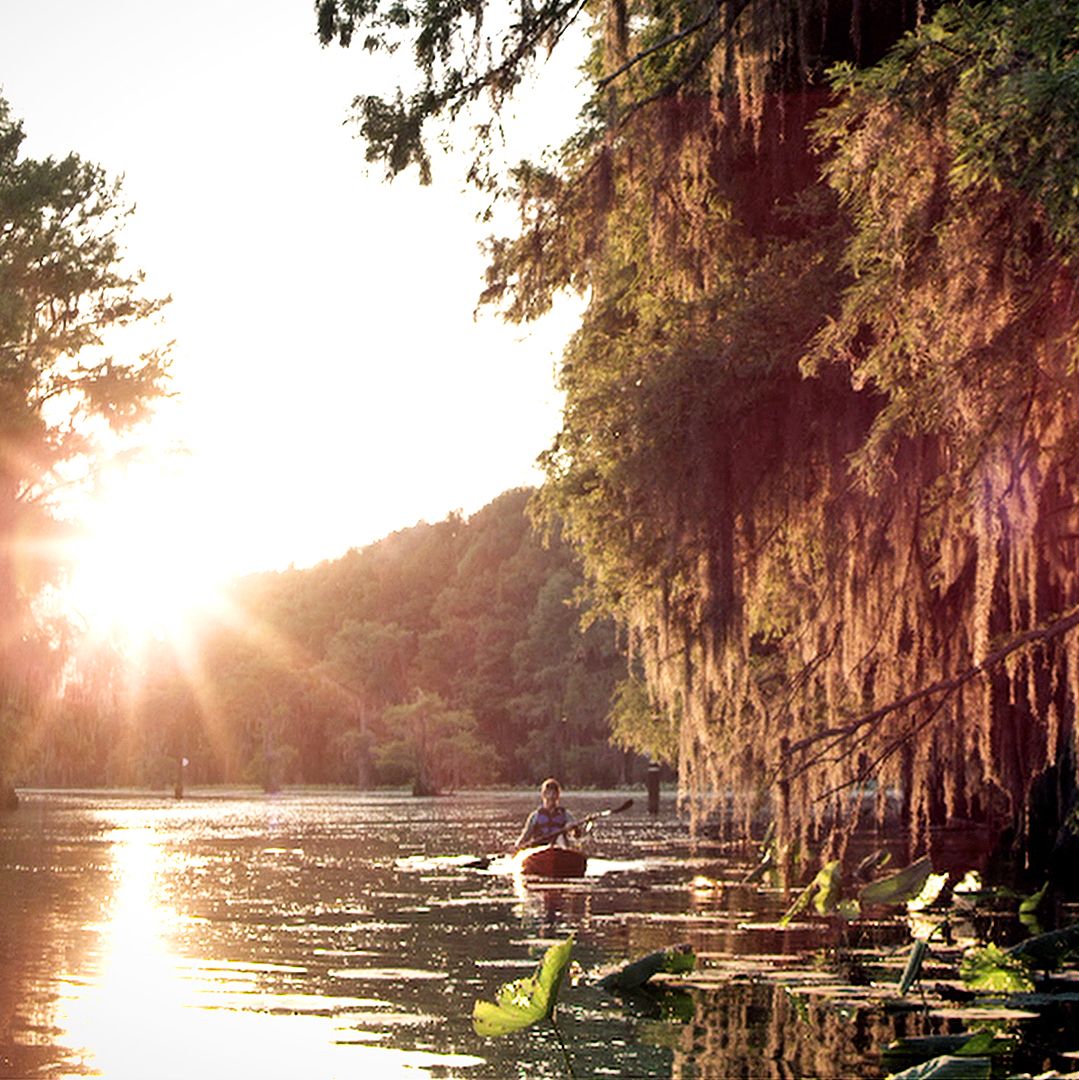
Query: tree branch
659, 46
944, 686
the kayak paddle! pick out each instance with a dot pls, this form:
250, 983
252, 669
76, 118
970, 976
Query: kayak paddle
586, 819
483, 861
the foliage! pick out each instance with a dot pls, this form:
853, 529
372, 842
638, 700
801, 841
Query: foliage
520, 1003
948, 1067
913, 968
442, 656
991, 969
67, 306
818, 447
437, 746
900, 887
674, 961
637, 725
761, 320
824, 891
1046, 950
1030, 904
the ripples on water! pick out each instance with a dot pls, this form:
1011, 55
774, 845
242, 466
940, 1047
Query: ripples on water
312, 936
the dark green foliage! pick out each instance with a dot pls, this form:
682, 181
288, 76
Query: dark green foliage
462, 53
674, 961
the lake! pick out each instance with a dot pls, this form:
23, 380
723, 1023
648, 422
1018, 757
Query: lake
336, 935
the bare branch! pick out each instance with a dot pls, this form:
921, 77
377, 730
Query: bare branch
947, 687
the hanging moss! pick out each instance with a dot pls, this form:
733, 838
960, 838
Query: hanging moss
819, 448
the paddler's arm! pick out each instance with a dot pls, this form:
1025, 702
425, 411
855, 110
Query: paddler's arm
526, 832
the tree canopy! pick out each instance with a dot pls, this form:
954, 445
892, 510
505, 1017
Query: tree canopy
819, 444
443, 656
65, 380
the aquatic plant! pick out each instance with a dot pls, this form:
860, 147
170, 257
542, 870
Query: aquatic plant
674, 961
523, 1002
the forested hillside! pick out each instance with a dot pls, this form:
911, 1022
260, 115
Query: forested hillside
820, 448
444, 655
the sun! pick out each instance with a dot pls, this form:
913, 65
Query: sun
142, 564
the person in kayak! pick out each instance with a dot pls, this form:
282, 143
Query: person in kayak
548, 819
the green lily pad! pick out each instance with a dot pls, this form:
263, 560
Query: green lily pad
948, 1067
674, 961
1030, 903
900, 887
993, 970
1047, 950
823, 890
524, 1001
914, 966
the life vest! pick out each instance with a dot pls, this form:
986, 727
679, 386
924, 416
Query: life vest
546, 823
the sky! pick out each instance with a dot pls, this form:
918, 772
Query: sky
332, 382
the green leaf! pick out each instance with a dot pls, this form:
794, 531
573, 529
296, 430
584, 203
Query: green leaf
914, 966
1047, 950
986, 1042
1030, 903
826, 887
900, 887
680, 960
524, 1001
673, 961
994, 970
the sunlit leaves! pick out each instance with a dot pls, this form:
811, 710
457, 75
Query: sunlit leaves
67, 307
521, 1003
1030, 904
992, 970
823, 891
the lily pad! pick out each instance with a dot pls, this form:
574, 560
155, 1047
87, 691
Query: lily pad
1047, 950
898, 888
673, 961
918, 1049
522, 1002
823, 890
991, 969
1029, 904
914, 966
948, 1067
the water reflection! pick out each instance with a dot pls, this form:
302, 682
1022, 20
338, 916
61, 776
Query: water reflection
332, 936
132, 1010
146, 1011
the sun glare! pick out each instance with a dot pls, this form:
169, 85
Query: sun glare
142, 564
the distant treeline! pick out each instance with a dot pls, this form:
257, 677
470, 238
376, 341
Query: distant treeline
441, 656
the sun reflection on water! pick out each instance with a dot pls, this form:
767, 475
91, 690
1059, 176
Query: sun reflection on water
147, 1011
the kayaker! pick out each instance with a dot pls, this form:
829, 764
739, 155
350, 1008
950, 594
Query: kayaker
548, 819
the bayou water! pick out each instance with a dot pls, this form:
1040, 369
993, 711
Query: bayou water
339, 935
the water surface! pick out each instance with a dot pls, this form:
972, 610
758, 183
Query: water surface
325, 936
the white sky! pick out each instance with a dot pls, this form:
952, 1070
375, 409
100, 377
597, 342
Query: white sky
333, 383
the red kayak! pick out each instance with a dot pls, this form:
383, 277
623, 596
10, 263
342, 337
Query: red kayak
553, 862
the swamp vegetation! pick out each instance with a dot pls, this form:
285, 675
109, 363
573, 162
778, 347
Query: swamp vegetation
818, 451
